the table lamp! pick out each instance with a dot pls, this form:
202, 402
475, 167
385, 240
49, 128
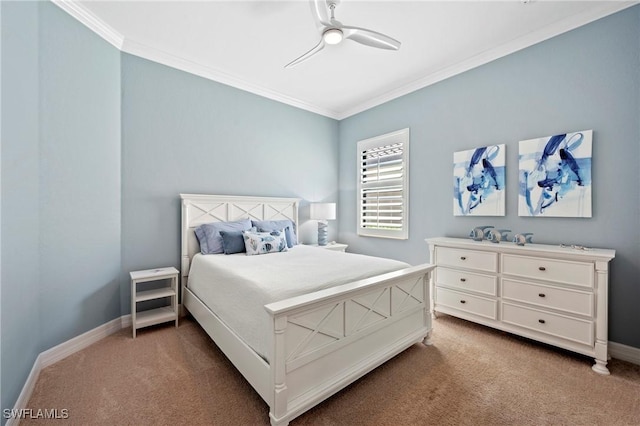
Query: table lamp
322, 212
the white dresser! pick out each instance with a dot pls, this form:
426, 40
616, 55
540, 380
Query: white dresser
556, 295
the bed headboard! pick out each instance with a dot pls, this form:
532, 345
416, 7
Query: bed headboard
199, 208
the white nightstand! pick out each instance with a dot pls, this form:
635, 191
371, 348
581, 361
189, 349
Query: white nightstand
333, 246
158, 315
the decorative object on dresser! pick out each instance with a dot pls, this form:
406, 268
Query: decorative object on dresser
553, 294
157, 315
322, 212
497, 235
479, 232
522, 239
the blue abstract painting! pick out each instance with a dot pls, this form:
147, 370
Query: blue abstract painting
555, 176
478, 181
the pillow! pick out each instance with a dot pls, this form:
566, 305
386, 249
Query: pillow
276, 225
264, 242
232, 242
208, 234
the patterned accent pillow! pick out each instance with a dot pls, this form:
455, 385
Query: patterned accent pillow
276, 225
264, 242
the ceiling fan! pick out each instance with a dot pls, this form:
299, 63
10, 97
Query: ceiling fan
333, 32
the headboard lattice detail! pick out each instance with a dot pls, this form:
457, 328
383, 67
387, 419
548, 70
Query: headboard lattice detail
198, 209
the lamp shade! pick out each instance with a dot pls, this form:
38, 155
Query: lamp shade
322, 211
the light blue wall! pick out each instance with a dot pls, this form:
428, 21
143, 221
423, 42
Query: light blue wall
588, 78
60, 184
184, 134
20, 194
79, 177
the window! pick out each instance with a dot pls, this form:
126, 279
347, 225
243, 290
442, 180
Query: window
383, 186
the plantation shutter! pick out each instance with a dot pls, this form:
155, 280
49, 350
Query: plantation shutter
382, 185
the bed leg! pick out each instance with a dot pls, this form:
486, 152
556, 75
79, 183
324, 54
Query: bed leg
279, 405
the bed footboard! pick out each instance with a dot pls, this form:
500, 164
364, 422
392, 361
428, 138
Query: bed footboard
325, 340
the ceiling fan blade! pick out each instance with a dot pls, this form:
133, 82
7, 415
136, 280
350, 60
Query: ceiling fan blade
320, 13
307, 55
370, 38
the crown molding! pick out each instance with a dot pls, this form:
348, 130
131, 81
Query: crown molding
101, 28
138, 49
127, 45
515, 45
91, 21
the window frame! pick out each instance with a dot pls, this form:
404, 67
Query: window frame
388, 139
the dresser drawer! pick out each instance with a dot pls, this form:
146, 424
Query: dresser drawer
541, 268
574, 329
467, 303
468, 259
486, 284
571, 301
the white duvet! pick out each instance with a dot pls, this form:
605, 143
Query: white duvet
236, 287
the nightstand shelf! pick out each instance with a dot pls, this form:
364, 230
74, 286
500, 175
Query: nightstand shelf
141, 296
154, 316
150, 317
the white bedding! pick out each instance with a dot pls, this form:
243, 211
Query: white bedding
236, 287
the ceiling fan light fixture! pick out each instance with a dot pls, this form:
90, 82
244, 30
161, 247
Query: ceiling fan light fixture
332, 36
333, 32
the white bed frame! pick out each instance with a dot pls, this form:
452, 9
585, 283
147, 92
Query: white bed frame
322, 341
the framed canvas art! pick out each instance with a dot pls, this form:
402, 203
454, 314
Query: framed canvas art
479, 181
555, 176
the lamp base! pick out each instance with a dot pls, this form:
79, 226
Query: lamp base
322, 232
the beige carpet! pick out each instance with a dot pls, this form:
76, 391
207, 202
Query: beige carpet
472, 375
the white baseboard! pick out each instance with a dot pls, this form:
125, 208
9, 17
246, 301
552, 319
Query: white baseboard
624, 352
61, 351
126, 320
27, 390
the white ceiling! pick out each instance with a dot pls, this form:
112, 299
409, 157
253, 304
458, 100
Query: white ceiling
247, 43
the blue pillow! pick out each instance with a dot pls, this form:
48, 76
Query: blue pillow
209, 237
278, 225
232, 242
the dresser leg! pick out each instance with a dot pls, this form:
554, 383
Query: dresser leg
600, 367
427, 340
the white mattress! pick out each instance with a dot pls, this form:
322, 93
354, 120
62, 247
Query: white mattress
236, 287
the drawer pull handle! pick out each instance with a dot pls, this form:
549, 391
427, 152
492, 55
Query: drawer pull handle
463, 279
541, 294
541, 321
463, 258
463, 301
542, 268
